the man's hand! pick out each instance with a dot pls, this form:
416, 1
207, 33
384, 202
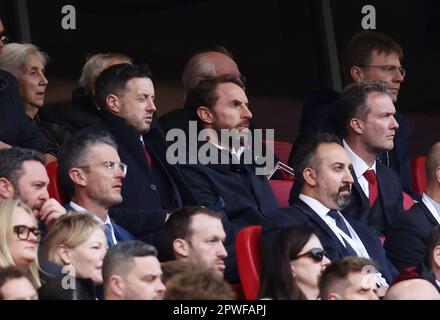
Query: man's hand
4, 145
50, 211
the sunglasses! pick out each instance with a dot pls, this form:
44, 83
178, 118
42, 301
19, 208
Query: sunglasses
316, 254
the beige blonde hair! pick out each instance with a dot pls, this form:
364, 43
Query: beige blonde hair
70, 230
7, 210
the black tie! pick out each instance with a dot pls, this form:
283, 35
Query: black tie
340, 223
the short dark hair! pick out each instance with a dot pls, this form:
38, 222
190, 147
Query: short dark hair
277, 281
352, 102
204, 93
11, 162
10, 273
361, 46
305, 157
119, 259
432, 241
113, 80
338, 271
75, 153
177, 225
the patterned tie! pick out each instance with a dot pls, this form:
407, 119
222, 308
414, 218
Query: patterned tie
108, 235
340, 223
370, 175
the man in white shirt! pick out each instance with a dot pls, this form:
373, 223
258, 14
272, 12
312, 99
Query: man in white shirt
367, 121
91, 172
323, 171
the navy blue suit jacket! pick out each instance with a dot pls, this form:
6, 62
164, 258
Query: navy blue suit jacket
301, 214
16, 128
247, 198
406, 242
390, 196
320, 115
148, 193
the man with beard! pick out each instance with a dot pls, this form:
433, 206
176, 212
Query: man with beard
323, 171
366, 115
196, 235
226, 180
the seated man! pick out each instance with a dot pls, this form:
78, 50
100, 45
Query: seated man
323, 170
15, 285
413, 289
196, 236
406, 241
349, 278
91, 172
23, 175
131, 271
226, 181
367, 116
370, 55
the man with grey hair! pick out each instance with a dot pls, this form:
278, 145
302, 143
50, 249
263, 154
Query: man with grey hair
131, 271
84, 110
91, 172
406, 242
366, 115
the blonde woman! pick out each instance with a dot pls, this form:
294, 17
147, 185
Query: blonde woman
19, 238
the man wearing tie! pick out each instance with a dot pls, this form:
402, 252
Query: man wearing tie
91, 173
323, 171
366, 115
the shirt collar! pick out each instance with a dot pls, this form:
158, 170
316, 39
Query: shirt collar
80, 209
359, 165
316, 206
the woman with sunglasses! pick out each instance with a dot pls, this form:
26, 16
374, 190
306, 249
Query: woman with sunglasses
291, 265
19, 238
78, 243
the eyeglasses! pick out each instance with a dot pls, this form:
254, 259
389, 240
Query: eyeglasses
316, 254
24, 231
111, 166
388, 69
4, 39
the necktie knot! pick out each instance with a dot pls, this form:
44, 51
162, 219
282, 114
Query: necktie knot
370, 175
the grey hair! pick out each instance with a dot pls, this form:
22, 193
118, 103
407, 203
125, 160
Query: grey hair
14, 56
95, 65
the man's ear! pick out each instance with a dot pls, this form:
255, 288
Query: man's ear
181, 248
310, 177
205, 115
113, 103
78, 177
116, 285
333, 296
357, 125
437, 175
6, 189
436, 256
64, 255
357, 73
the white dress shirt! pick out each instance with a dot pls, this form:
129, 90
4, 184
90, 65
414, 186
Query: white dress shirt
359, 167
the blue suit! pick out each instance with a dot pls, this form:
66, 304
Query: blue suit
301, 214
406, 242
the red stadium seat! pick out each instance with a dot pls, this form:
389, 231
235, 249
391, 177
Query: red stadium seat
281, 149
420, 183
248, 249
281, 189
54, 189
408, 202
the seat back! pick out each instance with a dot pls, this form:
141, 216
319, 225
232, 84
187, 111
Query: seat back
281, 149
248, 251
281, 189
408, 202
54, 189
420, 182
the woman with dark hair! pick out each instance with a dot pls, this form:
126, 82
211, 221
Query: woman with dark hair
291, 265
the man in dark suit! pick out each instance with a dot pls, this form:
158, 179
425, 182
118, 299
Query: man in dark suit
369, 55
91, 173
152, 187
225, 181
323, 172
406, 241
366, 115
